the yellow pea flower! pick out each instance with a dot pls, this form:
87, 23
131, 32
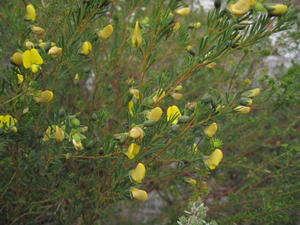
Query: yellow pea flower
30, 12
131, 107
7, 121
55, 51
135, 92
77, 144
173, 113
240, 8
136, 38
86, 48
132, 150
160, 94
211, 130
139, 194
16, 59
138, 173
197, 25
37, 30
32, 59
59, 134
277, 9
106, 32
20, 78
183, 11
47, 134
190, 181
43, 96
252, 93
242, 109
214, 159
136, 133
177, 96
155, 114
176, 27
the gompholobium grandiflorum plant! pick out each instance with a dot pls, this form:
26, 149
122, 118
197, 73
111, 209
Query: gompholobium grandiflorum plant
98, 105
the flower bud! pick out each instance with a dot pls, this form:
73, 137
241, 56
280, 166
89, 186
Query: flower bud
86, 48
197, 25
37, 30
55, 51
246, 101
77, 144
240, 7
59, 134
177, 96
136, 37
211, 130
139, 194
138, 173
277, 9
43, 96
214, 159
135, 92
176, 27
190, 181
136, 133
252, 93
16, 59
106, 32
183, 11
242, 109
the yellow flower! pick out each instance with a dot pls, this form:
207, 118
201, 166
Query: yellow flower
195, 148
177, 96
37, 30
55, 51
106, 32
155, 114
214, 159
211, 130
242, 109
32, 59
183, 11
28, 44
173, 113
132, 150
277, 9
240, 8
136, 133
47, 134
86, 48
197, 25
16, 59
138, 173
20, 78
135, 92
176, 27
131, 107
139, 194
59, 134
30, 12
159, 95
43, 96
136, 38
252, 93
77, 144
7, 121
190, 181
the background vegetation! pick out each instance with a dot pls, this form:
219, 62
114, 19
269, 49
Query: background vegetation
82, 176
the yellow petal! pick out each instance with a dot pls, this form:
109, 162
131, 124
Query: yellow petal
136, 38
155, 114
176, 27
86, 48
139, 194
183, 11
30, 13
44, 96
7, 121
132, 150
77, 144
214, 159
173, 113
211, 130
35, 57
26, 58
106, 32
138, 173
135, 92
35, 68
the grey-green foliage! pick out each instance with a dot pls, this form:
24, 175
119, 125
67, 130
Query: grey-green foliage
196, 215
